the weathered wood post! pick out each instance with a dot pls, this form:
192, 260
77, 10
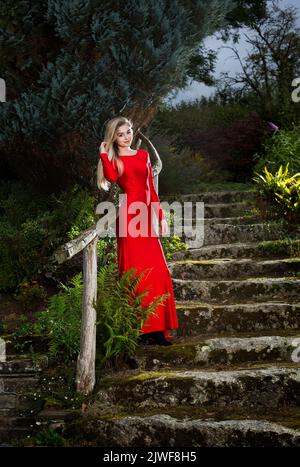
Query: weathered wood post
85, 375
2, 350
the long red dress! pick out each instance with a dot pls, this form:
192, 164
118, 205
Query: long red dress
143, 251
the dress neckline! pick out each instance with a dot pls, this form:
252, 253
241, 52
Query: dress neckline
129, 155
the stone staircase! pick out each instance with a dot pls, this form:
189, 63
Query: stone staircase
232, 376
19, 376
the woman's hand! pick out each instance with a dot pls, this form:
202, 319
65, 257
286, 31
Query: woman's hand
102, 147
163, 227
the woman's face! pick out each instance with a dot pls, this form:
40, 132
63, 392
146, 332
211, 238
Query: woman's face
124, 136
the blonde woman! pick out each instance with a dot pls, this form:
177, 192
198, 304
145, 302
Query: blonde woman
140, 248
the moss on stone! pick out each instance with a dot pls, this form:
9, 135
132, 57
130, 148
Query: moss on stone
169, 354
285, 247
287, 417
123, 381
207, 261
194, 305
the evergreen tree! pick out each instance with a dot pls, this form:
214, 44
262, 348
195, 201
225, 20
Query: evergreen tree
70, 65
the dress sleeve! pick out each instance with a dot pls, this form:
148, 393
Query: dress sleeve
153, 195
110, 173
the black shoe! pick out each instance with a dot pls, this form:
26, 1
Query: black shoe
146, 339
153, 338
160, 339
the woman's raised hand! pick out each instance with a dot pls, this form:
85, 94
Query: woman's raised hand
102, 147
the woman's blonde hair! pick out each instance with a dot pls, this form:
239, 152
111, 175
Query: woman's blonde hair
111, 129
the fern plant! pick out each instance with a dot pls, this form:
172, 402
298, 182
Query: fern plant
121, 311
120, 315
61, 320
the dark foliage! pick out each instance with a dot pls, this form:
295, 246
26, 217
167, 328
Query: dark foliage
230, 148
71, 65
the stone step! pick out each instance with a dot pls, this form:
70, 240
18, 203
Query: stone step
16, 428
230, 220
237, 220
228, 268
269, 387
8, 400
196, 318
36, 345
210, 351
14, 364
237, 291
163, 430
19, 378
10, 436
14, 400
18, 382
57, 418
265, 250
15, 421
220, 209
215, 234
212, 197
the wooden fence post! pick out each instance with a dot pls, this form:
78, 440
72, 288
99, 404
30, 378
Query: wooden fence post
85, 375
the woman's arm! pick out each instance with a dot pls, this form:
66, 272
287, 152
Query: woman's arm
153, 195
110, 173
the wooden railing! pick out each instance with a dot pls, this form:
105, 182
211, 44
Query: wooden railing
87, 242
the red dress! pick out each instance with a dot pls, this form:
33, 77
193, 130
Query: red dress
143, 251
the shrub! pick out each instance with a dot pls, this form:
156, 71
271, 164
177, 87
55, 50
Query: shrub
49, 437
211, 142
280, 192
61, 320
230, 147
32, 226
281, 148
171, 245
106, 251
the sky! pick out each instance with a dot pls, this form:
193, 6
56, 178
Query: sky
226, 61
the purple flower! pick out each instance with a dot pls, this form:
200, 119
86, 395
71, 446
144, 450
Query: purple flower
273, 126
